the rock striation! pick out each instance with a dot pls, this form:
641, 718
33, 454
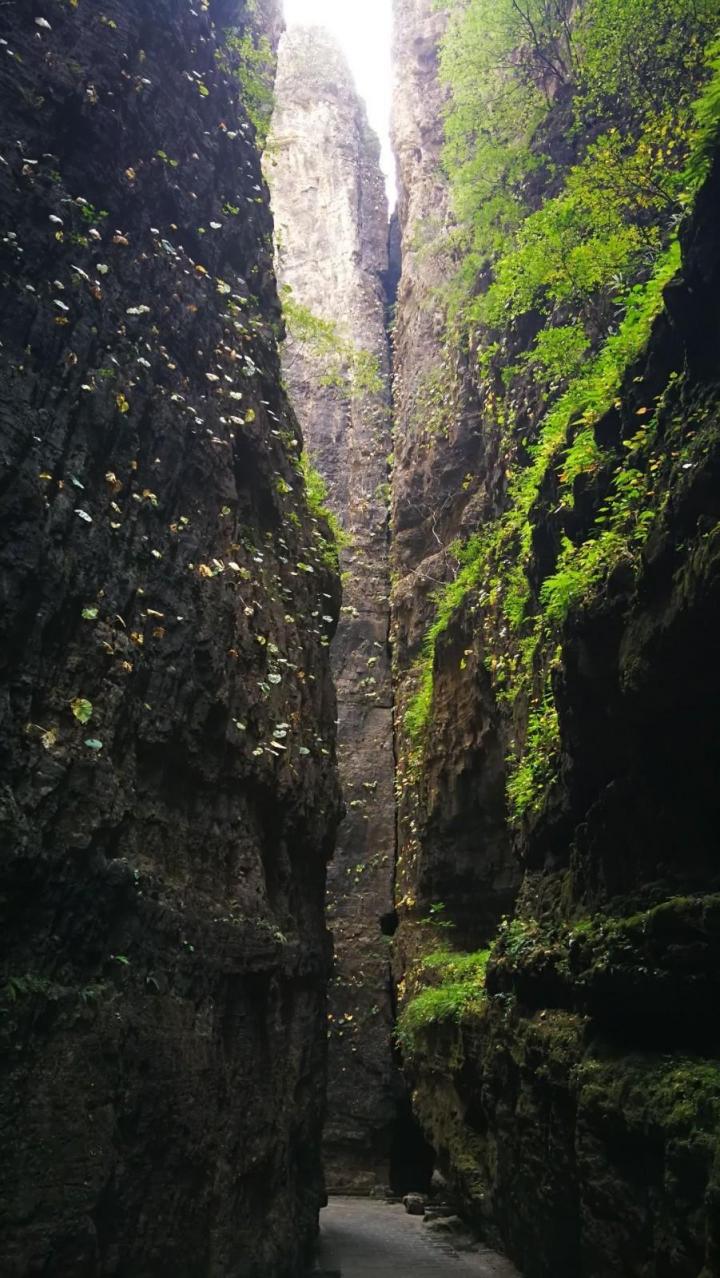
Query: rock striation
168, 793
332, 254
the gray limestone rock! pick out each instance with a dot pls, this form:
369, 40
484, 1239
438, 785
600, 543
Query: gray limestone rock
331, 231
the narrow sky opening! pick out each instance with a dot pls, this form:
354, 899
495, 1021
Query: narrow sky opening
363, 28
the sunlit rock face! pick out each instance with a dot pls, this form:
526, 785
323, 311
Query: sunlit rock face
168, 793
331, 232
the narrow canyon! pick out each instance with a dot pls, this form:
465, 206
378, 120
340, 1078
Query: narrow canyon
359, 602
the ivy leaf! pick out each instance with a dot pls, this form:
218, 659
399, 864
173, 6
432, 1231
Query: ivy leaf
82, 709
89, 614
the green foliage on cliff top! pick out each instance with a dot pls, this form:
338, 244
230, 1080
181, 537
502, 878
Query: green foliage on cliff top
627, 67
576, 138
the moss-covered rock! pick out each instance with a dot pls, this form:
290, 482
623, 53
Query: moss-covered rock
580, 1158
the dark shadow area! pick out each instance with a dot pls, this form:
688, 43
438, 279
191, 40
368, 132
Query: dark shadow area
411, 1158
389, 923
391, 277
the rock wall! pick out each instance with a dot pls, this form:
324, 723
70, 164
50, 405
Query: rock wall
331, 233
578, 1114
575, 1105
168, 793
453, 846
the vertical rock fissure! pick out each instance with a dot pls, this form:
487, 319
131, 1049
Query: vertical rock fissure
332, 260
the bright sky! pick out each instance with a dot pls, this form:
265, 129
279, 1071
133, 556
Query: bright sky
363, 28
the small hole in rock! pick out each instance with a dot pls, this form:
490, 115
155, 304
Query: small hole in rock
389, 923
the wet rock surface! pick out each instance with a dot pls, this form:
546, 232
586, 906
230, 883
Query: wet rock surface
168, 795
331, 231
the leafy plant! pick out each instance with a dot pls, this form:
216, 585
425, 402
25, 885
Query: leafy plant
342, 364
82, 709
317, 499
587, 267
457, 991
248, 56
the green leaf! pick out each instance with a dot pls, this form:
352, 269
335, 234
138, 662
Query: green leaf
82, 709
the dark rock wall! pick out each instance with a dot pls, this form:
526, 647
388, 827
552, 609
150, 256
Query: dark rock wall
577, 1114
168, 793
332, 250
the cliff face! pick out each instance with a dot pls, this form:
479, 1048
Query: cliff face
578, 1110
574, 1101
331, 232
167, 787
453, 848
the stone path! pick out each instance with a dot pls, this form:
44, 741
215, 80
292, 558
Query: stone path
362, 1238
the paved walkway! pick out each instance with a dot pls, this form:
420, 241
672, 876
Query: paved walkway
363, 1238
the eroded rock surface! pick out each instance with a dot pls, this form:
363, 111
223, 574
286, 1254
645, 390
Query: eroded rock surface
168, 793
331, 230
